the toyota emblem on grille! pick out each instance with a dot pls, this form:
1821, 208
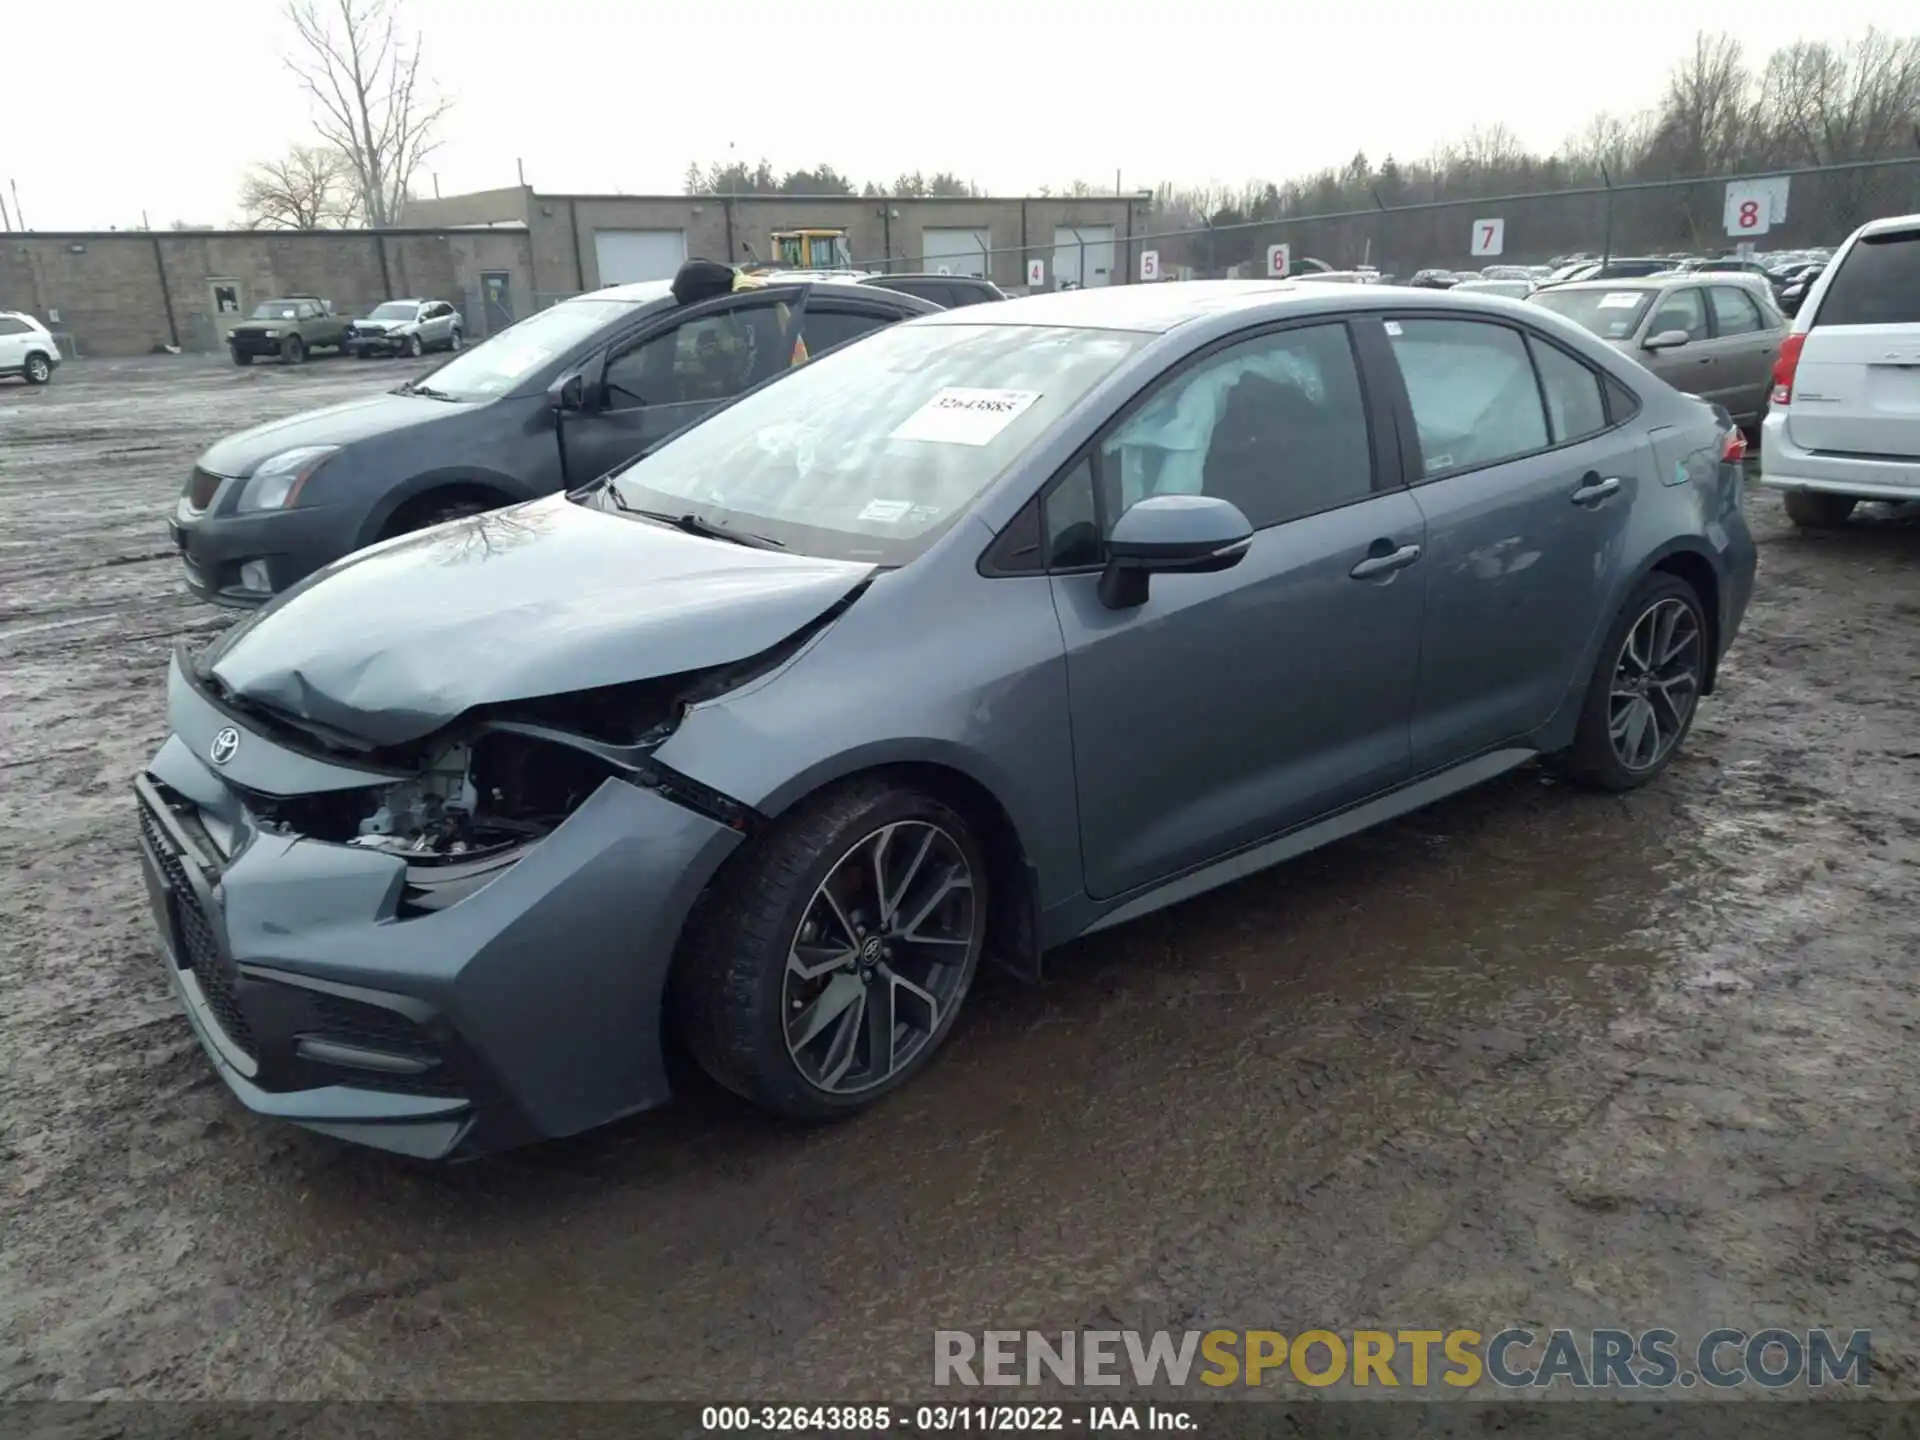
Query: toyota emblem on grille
226, 743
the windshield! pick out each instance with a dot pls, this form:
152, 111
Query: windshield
394, 310
274, 310
497, 366
870, 452
1610, 314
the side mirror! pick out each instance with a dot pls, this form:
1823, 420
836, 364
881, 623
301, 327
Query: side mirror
573, 391
1665, 340
1173, 535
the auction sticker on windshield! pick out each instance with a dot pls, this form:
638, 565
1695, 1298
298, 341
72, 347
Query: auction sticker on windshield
1620, 300
961, 415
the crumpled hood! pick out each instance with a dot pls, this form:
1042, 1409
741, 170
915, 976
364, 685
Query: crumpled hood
392, 643
335, 425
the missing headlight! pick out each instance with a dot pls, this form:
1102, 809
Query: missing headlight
480, 797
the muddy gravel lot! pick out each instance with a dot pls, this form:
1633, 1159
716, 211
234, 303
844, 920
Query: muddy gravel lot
1533, 1056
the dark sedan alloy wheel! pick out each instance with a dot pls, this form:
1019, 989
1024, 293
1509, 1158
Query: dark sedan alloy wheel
879, 957
1656, 683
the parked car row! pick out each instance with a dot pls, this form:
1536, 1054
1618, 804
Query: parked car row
866, 641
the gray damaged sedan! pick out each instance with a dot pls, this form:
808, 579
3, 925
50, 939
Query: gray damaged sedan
996, 628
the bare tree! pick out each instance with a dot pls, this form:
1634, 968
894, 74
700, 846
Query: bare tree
364, 78
1704, 124
1822, 106
313, 188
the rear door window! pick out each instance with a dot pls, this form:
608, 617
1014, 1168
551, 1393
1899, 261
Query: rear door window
1877, 284
1576, 405
823, 329
1472, 389
1734, 312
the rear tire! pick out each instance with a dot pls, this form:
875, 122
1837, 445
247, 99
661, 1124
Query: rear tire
39, 369
456, 340
804, 986
1645, 688
1816, 509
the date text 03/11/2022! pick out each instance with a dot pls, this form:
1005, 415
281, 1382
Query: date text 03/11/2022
939, 1419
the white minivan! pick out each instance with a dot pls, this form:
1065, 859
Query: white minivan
26, 349
1843, 423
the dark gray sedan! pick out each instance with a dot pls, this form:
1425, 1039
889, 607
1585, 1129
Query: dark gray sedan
997, 628
1711, 335
265, 508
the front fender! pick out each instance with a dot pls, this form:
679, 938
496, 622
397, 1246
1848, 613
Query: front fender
988, 703
510, 489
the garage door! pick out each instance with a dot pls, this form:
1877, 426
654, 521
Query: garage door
1097, 250
956, 252
628, 255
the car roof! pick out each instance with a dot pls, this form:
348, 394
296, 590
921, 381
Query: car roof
1167, 305
924, 275
1155, 308
645, 292
1888, 224
1634, 282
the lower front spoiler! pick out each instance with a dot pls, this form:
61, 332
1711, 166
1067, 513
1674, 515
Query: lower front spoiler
425, 1127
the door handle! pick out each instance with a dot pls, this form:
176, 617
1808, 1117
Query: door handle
1593, 489
1374, 566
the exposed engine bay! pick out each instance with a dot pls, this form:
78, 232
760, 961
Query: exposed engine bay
480, 795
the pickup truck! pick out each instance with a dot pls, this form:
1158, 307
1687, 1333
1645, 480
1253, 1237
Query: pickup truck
291, 328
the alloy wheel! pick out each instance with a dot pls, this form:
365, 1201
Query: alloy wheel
1656, 683
879, 957
38, 370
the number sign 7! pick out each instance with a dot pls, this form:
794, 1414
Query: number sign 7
1489, 237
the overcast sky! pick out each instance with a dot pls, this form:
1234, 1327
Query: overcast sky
159, 108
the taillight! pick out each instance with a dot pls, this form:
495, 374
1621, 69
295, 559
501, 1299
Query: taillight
1734, 452
1785, 365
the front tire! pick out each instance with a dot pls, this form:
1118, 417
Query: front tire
1645, 689
241, 357
1817, 510
294, 350
833, 959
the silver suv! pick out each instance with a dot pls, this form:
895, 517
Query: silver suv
407, 327
1845, 419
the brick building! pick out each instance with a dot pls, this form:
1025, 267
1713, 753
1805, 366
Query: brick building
501, 254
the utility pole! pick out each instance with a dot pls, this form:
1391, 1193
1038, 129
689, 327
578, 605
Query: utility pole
18, 213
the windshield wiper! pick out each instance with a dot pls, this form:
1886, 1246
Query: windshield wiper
694, 525
414, 387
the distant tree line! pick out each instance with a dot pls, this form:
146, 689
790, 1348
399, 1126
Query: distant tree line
738, 178
1811, 103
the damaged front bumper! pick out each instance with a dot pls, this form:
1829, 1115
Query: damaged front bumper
331, 991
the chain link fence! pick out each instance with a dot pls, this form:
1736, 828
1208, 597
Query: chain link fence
1663, 217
